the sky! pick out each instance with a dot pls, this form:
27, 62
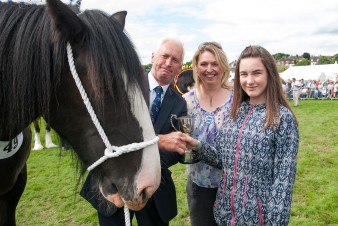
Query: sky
289, 26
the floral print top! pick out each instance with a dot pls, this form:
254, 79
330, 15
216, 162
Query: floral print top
259, 167
206, 127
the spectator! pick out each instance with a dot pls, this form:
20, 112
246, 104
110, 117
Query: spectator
335, 89
316, 93
296, 91
285, 88
330, 89
289, 89
313, 87
303, 93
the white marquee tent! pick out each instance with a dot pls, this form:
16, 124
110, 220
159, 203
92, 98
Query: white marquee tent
312, 72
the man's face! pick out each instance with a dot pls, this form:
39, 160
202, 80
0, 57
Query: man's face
167, 62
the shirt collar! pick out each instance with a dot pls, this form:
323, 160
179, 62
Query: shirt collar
153, 83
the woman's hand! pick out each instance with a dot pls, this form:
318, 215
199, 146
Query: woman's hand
190, 142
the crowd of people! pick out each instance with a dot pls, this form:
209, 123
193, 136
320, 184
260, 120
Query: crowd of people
245, 137
311, 89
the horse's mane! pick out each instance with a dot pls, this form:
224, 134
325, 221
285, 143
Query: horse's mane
25, 61
32, 59
107, 46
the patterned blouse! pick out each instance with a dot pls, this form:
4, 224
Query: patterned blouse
206, 127
259, 168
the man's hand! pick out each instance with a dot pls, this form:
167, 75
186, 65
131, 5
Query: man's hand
172, 142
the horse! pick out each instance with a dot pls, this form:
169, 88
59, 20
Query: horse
80, 72
48, 139
183, 82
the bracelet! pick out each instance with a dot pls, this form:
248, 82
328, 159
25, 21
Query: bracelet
199, 145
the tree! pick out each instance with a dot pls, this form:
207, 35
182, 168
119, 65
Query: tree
306, 55
296, 59
324, 60
279, 56
335, 58
147, 67
303, 62
188, 64
282, 68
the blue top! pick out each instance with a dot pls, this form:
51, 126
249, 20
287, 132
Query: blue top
259, 167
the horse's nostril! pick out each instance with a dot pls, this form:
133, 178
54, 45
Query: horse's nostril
143, 194
146, 193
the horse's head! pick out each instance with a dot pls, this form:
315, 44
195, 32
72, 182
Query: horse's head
111, 74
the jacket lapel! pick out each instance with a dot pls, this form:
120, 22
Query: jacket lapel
166, 106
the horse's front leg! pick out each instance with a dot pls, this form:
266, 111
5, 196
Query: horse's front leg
13, 174
10, 200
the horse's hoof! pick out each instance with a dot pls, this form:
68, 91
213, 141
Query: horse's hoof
37, 147
51, 145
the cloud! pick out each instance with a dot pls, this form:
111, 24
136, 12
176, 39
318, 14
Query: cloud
292, 27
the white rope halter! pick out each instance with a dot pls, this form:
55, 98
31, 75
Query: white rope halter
110, 151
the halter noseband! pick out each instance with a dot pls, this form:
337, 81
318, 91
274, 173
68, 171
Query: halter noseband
110, 151
176, 86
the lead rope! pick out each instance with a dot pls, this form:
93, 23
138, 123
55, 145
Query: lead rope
126, 216
110, 151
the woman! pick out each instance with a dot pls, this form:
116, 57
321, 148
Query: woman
256, 147
208, 103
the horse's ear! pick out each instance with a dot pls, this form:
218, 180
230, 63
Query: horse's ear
65, 21
120, 17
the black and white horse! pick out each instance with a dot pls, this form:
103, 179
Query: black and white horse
81, 73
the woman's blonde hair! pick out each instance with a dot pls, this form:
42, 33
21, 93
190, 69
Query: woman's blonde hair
221, 58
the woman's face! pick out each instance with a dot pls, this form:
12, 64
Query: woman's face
208, 69
253, 79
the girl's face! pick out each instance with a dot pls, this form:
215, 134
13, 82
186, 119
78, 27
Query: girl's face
253, 79
208, 69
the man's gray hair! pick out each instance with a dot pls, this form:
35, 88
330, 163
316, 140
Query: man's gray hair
175, 40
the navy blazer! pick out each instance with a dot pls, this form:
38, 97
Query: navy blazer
165, 196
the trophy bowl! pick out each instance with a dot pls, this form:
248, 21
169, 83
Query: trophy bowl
185, 124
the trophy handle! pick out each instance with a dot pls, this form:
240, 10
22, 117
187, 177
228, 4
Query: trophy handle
171, 121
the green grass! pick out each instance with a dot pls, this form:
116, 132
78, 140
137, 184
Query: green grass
51, 197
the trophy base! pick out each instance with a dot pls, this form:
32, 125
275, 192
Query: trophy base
189, 157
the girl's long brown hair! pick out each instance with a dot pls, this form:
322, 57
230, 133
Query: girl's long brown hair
274, 91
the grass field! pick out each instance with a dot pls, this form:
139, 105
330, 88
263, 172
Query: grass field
51, 196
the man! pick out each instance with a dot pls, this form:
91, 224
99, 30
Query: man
296, 89
162, 207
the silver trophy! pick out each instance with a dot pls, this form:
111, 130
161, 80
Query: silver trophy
185, 124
